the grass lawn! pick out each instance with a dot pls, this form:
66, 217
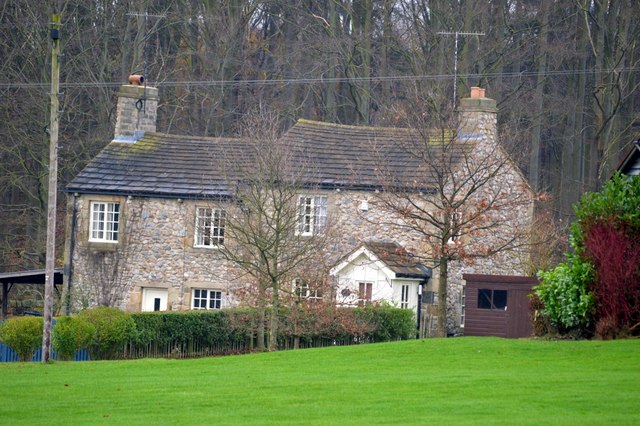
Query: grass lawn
439, 381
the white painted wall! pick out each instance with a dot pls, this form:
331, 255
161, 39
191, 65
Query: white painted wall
413, 293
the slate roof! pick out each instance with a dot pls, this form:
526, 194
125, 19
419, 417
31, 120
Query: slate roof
162, 165
173, 166
399, 260
355, 156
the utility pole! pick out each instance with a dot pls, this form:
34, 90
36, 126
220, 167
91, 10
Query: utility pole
49, 277
455, 56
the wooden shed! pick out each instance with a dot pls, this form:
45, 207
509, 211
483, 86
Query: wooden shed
498, 305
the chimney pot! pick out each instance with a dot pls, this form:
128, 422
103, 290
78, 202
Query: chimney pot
477, 92
136, 79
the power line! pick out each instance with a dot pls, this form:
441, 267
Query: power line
321, 80
146, 15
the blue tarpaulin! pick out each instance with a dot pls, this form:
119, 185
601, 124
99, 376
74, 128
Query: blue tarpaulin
8, 355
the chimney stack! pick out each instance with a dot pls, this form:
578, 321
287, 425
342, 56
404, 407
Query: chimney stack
136, 110
478, 116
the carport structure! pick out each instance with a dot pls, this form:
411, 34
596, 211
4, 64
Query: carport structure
34, 277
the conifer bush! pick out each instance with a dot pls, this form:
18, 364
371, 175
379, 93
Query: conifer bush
71, 334
23, 335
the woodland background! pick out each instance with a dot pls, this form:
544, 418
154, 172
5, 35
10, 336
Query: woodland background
565, 74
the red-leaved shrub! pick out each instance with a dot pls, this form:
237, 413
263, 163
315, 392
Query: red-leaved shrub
615, 254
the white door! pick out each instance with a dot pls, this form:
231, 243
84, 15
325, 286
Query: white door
154, 299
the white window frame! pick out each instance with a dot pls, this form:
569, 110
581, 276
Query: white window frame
463, 305
207, 299
365, 297
303, 291
209, 229
104, 222
312, 214
404, 296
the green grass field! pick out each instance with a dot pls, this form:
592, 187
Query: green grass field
437, 381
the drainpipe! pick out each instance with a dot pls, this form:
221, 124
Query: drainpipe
72, 243
5, 298
420, 286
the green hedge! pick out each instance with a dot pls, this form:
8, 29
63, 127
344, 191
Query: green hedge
372, 324
114, 328
201, 333
231, 330
228, 326
392, 324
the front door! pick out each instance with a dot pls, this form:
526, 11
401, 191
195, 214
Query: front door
154, 299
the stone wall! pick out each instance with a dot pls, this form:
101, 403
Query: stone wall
510, 220
155, 250
351, 225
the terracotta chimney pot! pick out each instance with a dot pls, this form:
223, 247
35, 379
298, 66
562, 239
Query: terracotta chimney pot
477, 92
136, 79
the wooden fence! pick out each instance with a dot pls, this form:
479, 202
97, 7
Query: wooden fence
428, 321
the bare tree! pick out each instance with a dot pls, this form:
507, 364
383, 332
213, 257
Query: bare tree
263, 238
464, 199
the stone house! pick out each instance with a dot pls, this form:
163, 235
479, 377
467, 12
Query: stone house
145, 217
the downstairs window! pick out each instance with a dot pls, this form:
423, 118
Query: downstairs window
206, 299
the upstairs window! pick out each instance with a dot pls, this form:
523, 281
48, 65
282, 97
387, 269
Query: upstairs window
104, 222
209, 227
312, 214
492, 299
206, 299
